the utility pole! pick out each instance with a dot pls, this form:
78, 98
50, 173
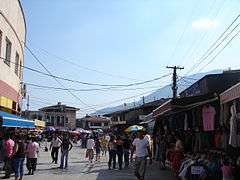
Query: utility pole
174, 79
143, 100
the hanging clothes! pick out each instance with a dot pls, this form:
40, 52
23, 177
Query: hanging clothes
234, 139
208, 116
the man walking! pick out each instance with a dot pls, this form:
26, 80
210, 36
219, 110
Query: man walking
32, 155
8, 148
55, 145
66, 146
90, 148
142, 148
119, 145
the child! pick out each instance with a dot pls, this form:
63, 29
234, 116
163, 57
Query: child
227, 170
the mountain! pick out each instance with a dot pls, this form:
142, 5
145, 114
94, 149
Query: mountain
164, 92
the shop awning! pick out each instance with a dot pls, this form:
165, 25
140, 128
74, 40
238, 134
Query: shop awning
230, 94
10, 120
164, 108
39, 123
181, 104
148, 119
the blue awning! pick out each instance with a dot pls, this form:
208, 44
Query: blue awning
10, 120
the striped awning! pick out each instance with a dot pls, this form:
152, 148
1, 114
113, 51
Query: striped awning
10, 120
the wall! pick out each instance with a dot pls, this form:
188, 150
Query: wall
12, 25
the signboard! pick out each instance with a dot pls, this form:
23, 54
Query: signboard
6, 102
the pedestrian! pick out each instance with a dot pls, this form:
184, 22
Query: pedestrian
119, 144
177, 157
32, 151
97, 149
8, 146
163, 151
19, 157
66, 146
126, 150
55, 145
142, 148
90, 149
104, 143
112, 149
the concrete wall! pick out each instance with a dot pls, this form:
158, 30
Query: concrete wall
12, 25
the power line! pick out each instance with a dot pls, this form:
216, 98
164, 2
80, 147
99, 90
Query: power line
210, 50
184, 31
204, 34
59, 82
123, 99
221, 50
87, 83
83, 67
87, 90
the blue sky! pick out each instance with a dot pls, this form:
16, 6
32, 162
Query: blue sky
134, 39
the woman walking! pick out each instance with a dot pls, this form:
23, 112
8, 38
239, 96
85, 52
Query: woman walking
18, 158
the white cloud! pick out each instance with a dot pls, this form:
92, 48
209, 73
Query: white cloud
205, 23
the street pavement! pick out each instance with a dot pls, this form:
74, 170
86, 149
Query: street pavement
80, 169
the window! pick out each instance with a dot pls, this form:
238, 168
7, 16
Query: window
97, 124
20, 70
8, 52
0, 43
58, 121
16, 63
66, 120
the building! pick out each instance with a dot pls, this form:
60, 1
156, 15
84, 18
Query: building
58, 116
12, 39
94, 122
134, 115
212, 83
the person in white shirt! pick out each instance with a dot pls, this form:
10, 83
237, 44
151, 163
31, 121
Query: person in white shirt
90, 148
141, 147
55, 145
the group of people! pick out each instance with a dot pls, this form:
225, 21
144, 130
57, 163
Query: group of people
121, 150
201, 165
64, 144
14, 149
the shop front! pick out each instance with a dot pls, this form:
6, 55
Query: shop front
194, 120
230, 115
12, 121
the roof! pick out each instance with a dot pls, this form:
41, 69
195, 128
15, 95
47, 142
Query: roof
225, 76
184, 103
96, 119
146, 105
59, 106
230, 94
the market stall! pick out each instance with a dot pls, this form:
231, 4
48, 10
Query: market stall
230, 114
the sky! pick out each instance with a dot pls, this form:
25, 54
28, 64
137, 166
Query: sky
121, 42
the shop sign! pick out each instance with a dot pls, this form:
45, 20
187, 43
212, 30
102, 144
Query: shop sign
6, 102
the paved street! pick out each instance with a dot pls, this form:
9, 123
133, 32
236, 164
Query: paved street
80, 169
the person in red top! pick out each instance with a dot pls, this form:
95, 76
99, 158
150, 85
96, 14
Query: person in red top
8, 149
177, 157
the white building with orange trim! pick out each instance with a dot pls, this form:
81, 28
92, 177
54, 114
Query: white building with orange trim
12, 39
